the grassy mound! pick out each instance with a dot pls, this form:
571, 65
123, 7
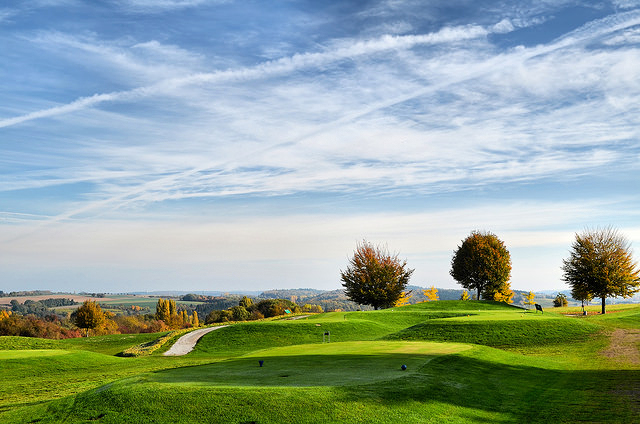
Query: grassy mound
511, 333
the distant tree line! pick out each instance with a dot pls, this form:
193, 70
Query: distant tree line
40, 308
247, 310
25, 293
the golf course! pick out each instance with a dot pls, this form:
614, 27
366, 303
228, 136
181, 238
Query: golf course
465, 361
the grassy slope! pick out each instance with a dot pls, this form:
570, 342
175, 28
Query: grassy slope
35, 370
357, 377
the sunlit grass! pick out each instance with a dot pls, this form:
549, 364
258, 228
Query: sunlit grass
551, 371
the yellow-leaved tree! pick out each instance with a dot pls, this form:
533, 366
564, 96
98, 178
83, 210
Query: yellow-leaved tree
505, 295
431, 294
89, 316
464, 295
404, 299
528, 299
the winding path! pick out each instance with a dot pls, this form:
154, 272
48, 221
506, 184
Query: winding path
186, 343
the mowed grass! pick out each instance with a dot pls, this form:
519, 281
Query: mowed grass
330, 364
466, 362
35, 370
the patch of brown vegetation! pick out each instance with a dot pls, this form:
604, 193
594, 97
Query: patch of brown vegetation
624, 346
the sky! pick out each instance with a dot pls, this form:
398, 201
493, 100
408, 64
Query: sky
200, 145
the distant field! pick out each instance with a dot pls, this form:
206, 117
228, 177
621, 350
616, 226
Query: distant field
467, 362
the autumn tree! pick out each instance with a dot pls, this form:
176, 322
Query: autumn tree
89, 316
246, 302
431, 294
529, 298
482, 263
166, 311
504, 295
194, 319
600, 264
404, 299
375, 277
464, 295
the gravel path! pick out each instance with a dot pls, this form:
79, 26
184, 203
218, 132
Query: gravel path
186, 343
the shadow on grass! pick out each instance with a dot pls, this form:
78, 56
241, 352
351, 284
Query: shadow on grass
455, 388
529, 394
304, 370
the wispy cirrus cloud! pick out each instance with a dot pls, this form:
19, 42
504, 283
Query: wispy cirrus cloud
473, 98
263, 70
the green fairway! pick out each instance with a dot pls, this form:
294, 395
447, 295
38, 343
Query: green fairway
334, 364
465, 362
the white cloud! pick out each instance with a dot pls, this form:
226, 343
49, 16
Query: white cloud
503, 26
626, 4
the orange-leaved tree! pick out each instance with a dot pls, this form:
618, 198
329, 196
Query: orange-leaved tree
375, 277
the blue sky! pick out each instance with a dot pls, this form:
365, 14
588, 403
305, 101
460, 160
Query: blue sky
221, 145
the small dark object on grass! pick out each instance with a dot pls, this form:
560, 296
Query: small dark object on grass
261, 362
404, 367
539, 308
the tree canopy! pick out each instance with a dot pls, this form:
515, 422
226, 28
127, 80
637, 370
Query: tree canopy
482, 263
600, 264
89, 316
431, 294
529, 299
375, 277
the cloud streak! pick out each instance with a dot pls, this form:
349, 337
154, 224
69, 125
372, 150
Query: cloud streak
268, 69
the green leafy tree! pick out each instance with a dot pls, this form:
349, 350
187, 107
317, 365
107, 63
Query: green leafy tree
89, 316
600, 264
275, 307
375, 277
240, 313
560, 300
482, 263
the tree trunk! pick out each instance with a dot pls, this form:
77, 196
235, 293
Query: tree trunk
87, 332
603, 305
478, 293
